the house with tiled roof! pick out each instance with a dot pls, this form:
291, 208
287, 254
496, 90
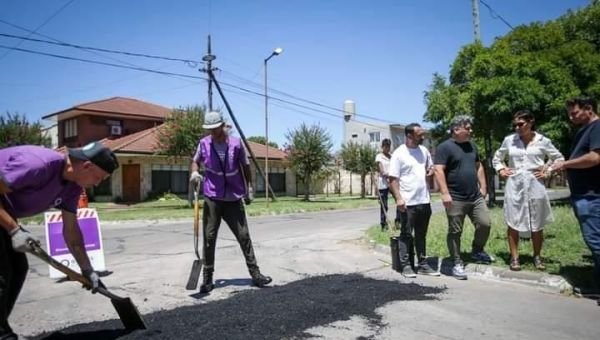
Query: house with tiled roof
131, 129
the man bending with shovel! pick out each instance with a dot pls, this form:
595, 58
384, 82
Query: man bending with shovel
226, 184
34, 179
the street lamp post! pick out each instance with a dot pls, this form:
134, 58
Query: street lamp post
275, 52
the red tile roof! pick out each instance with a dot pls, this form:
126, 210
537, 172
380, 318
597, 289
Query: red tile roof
146, 141
120, 105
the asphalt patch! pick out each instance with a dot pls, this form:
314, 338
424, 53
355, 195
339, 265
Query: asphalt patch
279, 312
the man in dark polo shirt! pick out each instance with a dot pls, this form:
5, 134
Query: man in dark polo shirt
583, 171
461, 179
34, 179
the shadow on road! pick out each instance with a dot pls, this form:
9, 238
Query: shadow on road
285, 311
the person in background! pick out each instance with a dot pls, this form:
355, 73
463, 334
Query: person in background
34, 179
461, 179
382, 160
226, 183
410, 165
583, 172
527, 151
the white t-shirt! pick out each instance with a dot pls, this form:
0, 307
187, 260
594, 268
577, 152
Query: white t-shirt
410, 166
385, 162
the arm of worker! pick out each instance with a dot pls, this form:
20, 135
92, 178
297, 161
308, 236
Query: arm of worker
481, 178
74, 241
195, 176
589, 160
247, 173
19, 236
440, 178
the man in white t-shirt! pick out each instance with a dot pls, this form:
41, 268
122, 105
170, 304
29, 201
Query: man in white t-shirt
383, 163
410, 165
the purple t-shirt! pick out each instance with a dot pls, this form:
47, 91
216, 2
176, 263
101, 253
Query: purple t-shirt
34, 175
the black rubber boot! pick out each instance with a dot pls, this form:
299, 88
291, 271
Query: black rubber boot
207, 282
260, 280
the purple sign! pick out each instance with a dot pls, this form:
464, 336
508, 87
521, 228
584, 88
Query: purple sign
89, 230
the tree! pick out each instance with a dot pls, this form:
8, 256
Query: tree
262, 140
535, 67
359, 158
309, 151
15, 129
181, 132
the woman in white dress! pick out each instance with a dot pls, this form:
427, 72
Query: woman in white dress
526, 204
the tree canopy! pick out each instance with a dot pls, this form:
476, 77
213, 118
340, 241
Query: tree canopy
535, 67
359, 158
15, 129
181, 132
309, 151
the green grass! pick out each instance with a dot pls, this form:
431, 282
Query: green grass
179, 208
564, 251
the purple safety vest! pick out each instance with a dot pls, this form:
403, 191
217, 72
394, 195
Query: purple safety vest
222, 177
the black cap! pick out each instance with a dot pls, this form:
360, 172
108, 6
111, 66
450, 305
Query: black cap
98, 154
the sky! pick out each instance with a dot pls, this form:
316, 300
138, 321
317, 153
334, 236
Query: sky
381, 54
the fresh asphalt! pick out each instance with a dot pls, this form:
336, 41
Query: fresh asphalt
327, 283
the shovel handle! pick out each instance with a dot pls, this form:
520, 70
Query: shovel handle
71, 274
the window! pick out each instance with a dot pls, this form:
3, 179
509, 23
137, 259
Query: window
276, 179
374, 136
169, 178
70, 128
355, 135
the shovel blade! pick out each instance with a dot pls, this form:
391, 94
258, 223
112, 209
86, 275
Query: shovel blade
128, 313
194, 275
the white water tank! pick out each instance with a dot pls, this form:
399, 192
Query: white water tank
349, 110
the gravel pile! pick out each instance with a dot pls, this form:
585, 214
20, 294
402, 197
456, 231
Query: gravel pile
280, 312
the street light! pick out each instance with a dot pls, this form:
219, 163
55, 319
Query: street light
275, 52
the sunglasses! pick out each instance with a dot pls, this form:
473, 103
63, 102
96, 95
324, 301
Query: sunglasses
519, 125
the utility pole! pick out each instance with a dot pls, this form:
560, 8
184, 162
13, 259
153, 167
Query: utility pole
208, 59
476, 20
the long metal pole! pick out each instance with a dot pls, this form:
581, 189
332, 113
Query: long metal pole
239, 129
266, 136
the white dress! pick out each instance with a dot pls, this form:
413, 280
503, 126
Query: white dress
526, 203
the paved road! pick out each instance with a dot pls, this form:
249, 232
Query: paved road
151, 263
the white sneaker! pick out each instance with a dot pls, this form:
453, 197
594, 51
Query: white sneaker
458, 271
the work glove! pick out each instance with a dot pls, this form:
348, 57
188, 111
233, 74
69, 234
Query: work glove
94, 279
249, 196
196, 178
21, 238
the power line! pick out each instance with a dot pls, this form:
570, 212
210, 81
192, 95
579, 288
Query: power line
40, 26
142, 69
187, 61
495, 14
191, 63
136, 68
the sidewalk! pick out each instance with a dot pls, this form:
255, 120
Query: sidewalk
554, 283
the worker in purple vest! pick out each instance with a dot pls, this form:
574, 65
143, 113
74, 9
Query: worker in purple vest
227, 181
34, 179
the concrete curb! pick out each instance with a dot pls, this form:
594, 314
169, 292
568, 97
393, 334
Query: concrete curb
554, 283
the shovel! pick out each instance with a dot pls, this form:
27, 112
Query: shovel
128, 313
197, 265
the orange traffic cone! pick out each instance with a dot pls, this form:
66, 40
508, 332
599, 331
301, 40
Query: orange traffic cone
83, 200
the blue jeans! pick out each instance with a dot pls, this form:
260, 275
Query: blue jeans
587, 211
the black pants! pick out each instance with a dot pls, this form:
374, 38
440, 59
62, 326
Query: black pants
234, 215
13, 270
416, 219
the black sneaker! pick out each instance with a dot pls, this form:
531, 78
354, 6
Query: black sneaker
408, 272
260, 280
481, 257
425, 269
